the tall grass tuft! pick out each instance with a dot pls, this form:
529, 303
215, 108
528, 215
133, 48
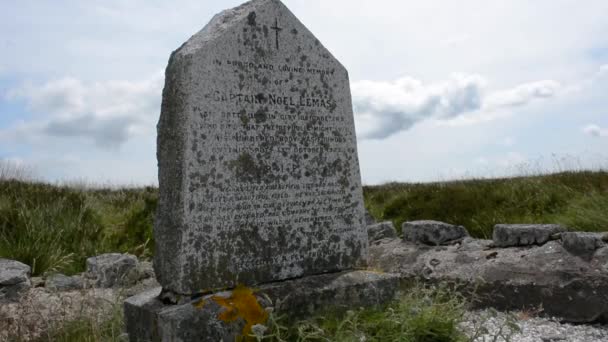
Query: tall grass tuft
54, 229
90, 328
422, 314
46, 227
16, 171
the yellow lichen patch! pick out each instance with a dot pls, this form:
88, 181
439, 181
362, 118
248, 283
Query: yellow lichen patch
199, 304
242, 303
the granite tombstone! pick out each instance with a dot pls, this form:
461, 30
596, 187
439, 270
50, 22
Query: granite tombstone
258, 171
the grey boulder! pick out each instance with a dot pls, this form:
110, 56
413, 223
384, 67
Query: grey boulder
381, 230
510, 235
582, 244
432, 233
61, 282
112, 270
14, 279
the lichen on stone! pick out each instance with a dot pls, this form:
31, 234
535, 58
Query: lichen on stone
242, 303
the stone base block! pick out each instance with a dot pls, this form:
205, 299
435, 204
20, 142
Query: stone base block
227, 315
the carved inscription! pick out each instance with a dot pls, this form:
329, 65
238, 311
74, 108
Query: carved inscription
272, 124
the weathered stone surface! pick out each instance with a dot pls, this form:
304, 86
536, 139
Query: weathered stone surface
140, 312
258, 169
141, 286
432, 232
38, 312
527, 277
582, 244
145, 270
37, 281
148, 319
142, 271
14, 279
13, 272
507, 235
61, 282
112, 269
381, 230
369, 219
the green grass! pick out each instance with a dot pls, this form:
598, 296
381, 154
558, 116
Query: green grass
104, 328
578, 200
55, 228
422, 314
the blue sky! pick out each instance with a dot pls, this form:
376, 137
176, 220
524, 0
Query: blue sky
441, 90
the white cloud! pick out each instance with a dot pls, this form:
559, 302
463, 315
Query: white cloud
109, 113
454, 40
386, 108
481, 161
59, 96
595, 131
521, 94
507, 142
508, 43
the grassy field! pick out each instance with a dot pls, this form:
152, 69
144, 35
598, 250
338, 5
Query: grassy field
55, 228
421, 314
578, 200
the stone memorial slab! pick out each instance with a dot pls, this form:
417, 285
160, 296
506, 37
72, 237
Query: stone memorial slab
258, 170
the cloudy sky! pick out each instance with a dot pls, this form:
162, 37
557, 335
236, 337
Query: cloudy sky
441, 89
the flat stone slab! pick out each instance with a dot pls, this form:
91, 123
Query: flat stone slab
259, 176
508, 235
515, 278
432, 233
582, 244
61, 282
382, 230
225, 316
111, 269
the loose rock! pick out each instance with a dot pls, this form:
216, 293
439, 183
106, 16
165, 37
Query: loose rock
61, 282
37, 281
508, 235
582, 244
110, 270
433, 233
14, 279
381, 230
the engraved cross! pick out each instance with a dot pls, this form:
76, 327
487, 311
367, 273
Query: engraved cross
276, 29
